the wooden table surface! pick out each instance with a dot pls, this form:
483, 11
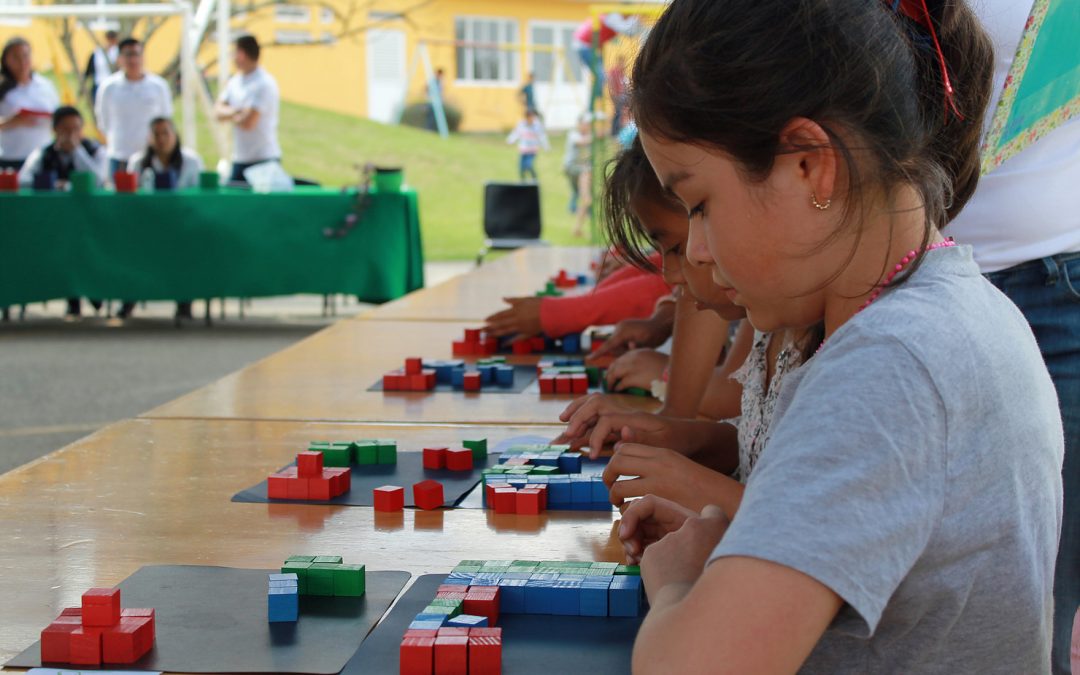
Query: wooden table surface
326, 377
480, 293
149, 492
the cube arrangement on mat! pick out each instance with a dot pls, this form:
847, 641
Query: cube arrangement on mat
530, 479
567, 376
309, 479
325, 575
442, 638
99, 632
283, 598
478, 343
413, 377
564, 280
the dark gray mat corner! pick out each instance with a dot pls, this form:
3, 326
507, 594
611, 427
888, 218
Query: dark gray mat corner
213, 620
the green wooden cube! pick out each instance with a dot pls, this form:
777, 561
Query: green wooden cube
455, 606
545, 470
628, 570
300, 569
467, 568
349, 581
300, 558
367, 452
479, 448
604, 565
320, 579
331, 559
335, 454
450, 612
470, 563
386, 452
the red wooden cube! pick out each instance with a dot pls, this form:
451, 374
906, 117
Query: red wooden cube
277, 486
459, 459
472, 335
428, 494
521, 347
418, 382
340, 480
579, 383
435, 458
413, 365
486, 631
101, 607
462, 348
298, 488
127, 642
485, 655
56, 640
448, 588
505, 500
319, 488
429, 379
85, 647
145, 612
563, 384
417, 655
539, 344
309, 464
528, 502
490, 346
389, 498
471, 382
454, 631
451, 654
547, 383
543, 496
395, 381
483, 601
422, 632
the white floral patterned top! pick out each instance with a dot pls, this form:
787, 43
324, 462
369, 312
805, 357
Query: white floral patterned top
759, 398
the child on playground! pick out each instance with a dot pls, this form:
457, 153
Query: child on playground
531, 139
911, 482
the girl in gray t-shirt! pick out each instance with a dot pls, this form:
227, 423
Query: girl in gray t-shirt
903, 517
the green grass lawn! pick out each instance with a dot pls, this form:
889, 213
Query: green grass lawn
447, 173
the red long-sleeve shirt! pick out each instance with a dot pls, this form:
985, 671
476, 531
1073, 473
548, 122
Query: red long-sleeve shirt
627, 293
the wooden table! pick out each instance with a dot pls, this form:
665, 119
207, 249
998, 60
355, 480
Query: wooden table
480, 293
145, 492
326, 377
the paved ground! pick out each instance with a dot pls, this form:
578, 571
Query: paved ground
60, 381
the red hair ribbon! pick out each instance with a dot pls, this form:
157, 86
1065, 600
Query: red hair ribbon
917, 11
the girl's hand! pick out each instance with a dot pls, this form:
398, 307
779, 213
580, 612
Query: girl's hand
521, 318
635, 427
637, 368
631, 334
582, 415
667, 474
678, 558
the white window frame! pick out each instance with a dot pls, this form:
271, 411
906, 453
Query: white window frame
556, 27
326, 16
11, 20
512, 63
293, 37
301, 14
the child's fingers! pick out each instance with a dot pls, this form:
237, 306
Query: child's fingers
640, 510
575, 405
628, 489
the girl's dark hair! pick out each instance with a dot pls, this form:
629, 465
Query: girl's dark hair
7, 78
631, 177
176, 159
730, 74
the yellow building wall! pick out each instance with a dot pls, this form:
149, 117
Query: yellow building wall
333, 76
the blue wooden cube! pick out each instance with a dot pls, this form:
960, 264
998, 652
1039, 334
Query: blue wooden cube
559, 491
566, 597
600, 494
468, 621
457, 378
624, 595
512, 594
425, 625
504, 376
432, 618
538, 596
487, 374
594, 597
283, 604
571, 344
580, 490
569, 462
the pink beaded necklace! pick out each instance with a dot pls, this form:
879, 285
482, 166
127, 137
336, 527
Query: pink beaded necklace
900, 266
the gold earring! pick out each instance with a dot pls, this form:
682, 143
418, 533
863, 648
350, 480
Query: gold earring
817, 205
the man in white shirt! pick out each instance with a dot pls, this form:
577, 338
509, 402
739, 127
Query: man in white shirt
126, 103
250, 103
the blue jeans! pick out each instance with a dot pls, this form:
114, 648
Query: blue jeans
527, 165
595, 64
1047, 291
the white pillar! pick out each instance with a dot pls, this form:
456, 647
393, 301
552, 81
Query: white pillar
224, 10
189, 77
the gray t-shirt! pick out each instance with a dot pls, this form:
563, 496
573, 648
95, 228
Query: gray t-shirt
915, 469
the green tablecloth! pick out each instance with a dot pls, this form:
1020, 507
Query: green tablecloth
196, 244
